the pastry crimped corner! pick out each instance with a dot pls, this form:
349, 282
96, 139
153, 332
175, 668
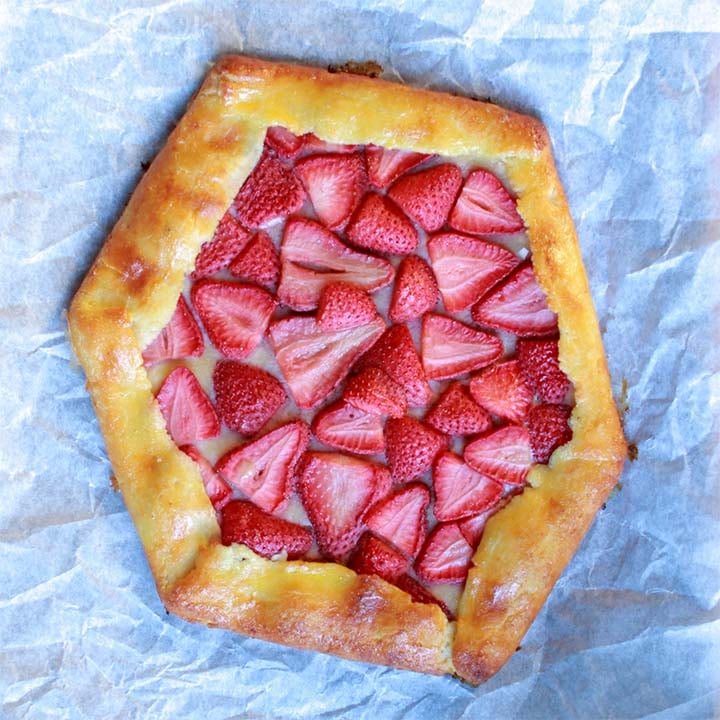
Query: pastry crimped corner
343, 353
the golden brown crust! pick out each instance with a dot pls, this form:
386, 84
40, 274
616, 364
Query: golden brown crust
131, 291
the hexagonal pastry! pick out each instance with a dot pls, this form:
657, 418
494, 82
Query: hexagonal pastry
343, 354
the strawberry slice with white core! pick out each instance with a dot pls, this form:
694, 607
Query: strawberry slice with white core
345, 427
415, 291
336, 491
189, 414
461, 491
386, 165
373, 556
502, 390
428, 195
395, 354
485, 207
334, 183
456, 413
258, 262
219, 492
345, 306
451, 348
446, 557
373, 391
263, 469
540, 366
235, 316
229, 239
380, 225
517, 305
466, 268
285, 143
503, 454
313, 360
411, 447
180, 338
312, 257
401, 518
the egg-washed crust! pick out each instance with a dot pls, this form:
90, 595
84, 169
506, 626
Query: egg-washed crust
130, 294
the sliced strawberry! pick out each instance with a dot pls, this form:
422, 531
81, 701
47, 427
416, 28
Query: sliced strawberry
395, 353
380, 225
401, 518
502, 390
345, 427
517, 305
314, 361
286, 144
503, 454
312, 145
336, 490
263, 533
180, 338
410, 447
460, 491
415, 291
219, 492
235, 316
189, 414
246, 396
451, 348
229, 239
472, 528
466, 268
485, 206
419, 594
373, 391
312, 257
345, 306
456, 413
539, 365
427, 196
271, 191
446, 557
549, 429
373, 556
258, 262
263, 469
334, 183
385, 165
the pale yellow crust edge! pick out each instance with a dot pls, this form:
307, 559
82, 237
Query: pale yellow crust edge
130, 293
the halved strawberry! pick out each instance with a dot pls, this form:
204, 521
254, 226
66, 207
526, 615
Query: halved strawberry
419, 594
395, 353
502, 390
180, 338
219, 492
503, 454
336, 490
456, 413
446, 557
415, 291
373, 556
345, 306
312, 257
401, 518
334, 183
343, 426
313, 360
246, 396
263, 469
549, 429
466, 268
235, 316
517, 305
427, 195
539, 365
485, 206
380, 225
460, 491
385, 165
229, 239
258, 262
285, 143
313, 145
263, 533
411, 447
373, 391
189, 414
271, 191
451, 348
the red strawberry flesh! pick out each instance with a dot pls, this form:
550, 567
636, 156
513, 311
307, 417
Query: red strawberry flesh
419, 594
285, 143
539, 365
549, 429
415, 291
258, 262
456, 413
345, 306
219, 492
180, 338
373, 391
503, 454
373, 556
502, 391
386, 165
346, 427
229, 239
410, 447
381, 226
446, 557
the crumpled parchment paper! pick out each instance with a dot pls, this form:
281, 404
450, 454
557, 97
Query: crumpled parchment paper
630, 93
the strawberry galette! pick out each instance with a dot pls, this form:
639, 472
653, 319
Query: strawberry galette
344, 357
